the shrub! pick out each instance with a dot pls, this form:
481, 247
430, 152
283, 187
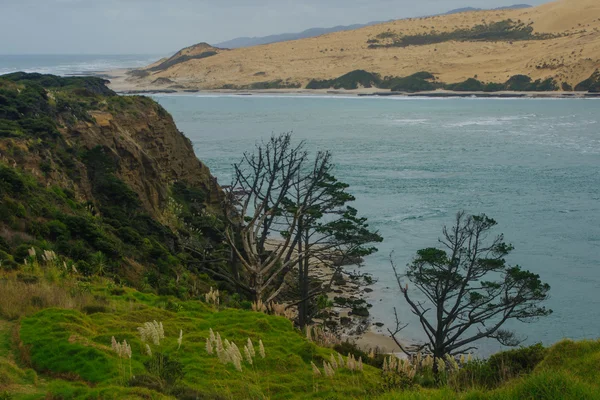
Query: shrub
470, 85
591, 84
499, 368
566, 87
348, 81
506, 30
518, 83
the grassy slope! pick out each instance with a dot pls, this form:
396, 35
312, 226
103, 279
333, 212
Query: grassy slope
77, 346
71, 351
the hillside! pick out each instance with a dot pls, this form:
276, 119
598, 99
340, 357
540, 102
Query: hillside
313, 32
63, 351
105, 180
559, 40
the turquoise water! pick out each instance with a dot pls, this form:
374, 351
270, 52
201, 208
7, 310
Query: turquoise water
533, 165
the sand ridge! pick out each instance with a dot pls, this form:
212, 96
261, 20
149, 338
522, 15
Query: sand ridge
570, 58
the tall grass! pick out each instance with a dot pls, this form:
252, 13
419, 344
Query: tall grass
20, 298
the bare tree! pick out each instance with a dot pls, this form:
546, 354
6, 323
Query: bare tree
260, 195
279, 193
470, 290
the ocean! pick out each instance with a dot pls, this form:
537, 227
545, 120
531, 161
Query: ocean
65, 65
531, 164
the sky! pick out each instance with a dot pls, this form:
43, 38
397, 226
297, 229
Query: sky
165, 26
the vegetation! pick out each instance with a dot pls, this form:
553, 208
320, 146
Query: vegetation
181, 59
592, 84
104, 299
425, 81
82, 353
349, 81
280, 192
470, 290
275, 84
111, 232
506, 30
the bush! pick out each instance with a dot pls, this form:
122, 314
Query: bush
518, 83
519, 361
470, 85
349, 81
592, 84
566, 87
506, 30
499, 368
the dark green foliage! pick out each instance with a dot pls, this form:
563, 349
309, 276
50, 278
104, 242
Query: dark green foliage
518, 361
500, 367
419, 82
592, 84
469, 275
425, 81
26, 109
92, 84
94, 309
521, 83
349, 81
506, 30
493, 87
165, 369
113, 222
470, 85
518, 83
276, 84
566, 87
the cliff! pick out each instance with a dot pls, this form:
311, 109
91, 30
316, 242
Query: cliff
84, 171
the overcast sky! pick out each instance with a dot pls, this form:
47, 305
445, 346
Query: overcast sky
164, 26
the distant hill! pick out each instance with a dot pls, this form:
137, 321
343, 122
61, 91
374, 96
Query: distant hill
313, 32
284, 37
468, 9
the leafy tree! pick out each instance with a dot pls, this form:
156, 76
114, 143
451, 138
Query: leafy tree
470, 291
327, 226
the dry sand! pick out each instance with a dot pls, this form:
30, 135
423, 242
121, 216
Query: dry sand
571, 58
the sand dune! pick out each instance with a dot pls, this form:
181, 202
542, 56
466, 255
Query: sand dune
570, 58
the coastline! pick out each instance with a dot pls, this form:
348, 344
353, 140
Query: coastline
365, 332
122, 84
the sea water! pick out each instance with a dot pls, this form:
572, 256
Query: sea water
531, 164
65, 65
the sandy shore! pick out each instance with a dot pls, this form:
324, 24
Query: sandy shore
120, 82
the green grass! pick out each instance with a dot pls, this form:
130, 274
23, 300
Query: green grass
74, 346
70, 352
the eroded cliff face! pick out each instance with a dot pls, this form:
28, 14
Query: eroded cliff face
150, 153
106, 181
146, 149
